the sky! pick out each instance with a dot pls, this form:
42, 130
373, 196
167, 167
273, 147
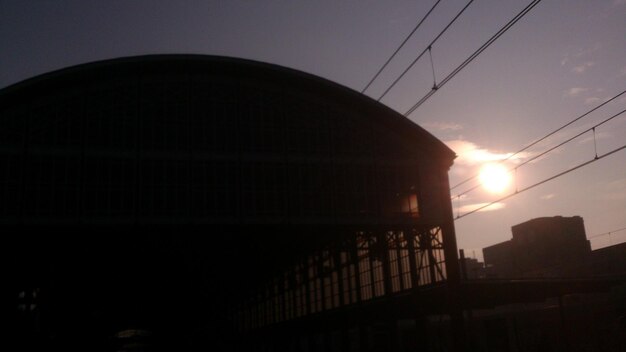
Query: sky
559, 61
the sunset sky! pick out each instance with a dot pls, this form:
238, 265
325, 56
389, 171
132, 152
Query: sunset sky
562, 59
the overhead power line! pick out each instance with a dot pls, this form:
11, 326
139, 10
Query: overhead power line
425, 50
473, 56
607, 233
550, 149
545, 137
400, 47
542, 182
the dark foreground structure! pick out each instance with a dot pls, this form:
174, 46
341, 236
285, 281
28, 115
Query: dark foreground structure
185, 202
213, 195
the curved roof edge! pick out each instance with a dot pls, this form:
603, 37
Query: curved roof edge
141, 60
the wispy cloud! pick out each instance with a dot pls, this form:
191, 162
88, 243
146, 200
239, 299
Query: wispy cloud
443, 126
586, 51
548, 196
583, 67
575, 57
575, 91
595, 100
471, 154
472, 207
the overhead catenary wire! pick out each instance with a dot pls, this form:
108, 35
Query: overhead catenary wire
607, 233
546, 136
593, 128
473, 56
542, 181
425, 50
400, 47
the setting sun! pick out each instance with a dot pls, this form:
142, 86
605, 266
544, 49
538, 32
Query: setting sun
494, 177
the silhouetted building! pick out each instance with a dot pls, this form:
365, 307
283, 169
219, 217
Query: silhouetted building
543, 253
473, 269
262, 195
499, 261
542, 247
609, 260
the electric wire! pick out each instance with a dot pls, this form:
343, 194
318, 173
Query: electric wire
546, 136
473, 56
400, 47
424, 51
551, 149
542, 182
606, 233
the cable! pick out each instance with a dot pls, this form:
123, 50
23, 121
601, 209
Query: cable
551, 149
474, 55
606, 233
400, 47
546, 136
424, 51
542, 182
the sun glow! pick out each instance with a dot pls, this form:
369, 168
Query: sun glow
495, 178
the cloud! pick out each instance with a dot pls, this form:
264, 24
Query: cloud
587, 51
472, 207
583, 67
575, 91
469, 153
595, 100
548, 196
443, 126
580, 54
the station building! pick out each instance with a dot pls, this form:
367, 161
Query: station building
168, 189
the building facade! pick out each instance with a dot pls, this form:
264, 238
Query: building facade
293, 195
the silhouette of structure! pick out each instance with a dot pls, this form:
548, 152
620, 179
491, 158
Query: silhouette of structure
303, 197
542, 247
609, 260
472, 269
548, 251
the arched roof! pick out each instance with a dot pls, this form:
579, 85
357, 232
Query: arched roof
235, 68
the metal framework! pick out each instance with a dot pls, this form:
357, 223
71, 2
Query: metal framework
362, 266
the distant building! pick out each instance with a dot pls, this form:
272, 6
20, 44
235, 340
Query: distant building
498, 260
473, 269
609, 260
554, 247
542, 247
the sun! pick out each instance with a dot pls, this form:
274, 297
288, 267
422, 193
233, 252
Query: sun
495, 178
